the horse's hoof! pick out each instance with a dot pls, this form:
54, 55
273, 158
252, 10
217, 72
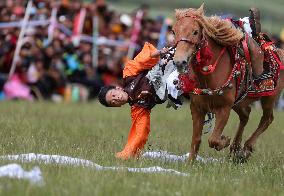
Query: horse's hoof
224, 142
242, 156
238, 158
191, 159
247, 152
216, 144
213, 143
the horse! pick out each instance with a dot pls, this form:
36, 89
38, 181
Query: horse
217, 81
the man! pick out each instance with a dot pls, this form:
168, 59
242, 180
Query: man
141, 95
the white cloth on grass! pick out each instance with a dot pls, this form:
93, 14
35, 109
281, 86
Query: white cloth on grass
165, 156
65, 160
16, 171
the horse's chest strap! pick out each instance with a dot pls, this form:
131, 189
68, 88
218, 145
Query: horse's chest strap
211, 68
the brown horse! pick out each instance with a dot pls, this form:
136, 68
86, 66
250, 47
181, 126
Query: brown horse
190, 29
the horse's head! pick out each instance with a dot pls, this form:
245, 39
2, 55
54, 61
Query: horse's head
188, 35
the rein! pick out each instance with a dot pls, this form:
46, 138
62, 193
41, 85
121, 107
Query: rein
202, 43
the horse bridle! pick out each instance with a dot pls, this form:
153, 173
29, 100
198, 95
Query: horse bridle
198, 46
184, 40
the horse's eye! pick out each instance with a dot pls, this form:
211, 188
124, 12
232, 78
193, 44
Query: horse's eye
195, 32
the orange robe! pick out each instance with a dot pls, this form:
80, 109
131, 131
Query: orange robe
140, 117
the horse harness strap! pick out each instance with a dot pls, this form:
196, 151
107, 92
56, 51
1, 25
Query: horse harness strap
246, 49
211, 68
203, 42
183, 40
198, 46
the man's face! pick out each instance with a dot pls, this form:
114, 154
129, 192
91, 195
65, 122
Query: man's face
116, 97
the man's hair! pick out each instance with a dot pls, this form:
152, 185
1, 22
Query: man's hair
102, 94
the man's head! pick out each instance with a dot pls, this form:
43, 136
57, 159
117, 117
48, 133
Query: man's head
113, 96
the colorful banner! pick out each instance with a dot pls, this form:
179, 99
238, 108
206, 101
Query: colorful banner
21, 36
52, 24
6, 25
104, 41
95, 38
135, 33
78, 26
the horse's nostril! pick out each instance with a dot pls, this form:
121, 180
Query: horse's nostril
184, 62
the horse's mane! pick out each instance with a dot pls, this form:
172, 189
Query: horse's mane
220, 30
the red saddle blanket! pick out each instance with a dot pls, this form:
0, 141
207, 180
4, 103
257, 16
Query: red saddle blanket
266, 84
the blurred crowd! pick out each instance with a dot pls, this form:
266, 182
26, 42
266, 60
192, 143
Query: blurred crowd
59, 68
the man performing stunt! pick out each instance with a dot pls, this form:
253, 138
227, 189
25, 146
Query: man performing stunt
140, 93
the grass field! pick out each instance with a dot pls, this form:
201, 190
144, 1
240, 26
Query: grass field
271, 11
90, 131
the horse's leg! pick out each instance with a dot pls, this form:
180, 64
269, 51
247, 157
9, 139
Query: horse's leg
198, 117
216, 140
267, 104
243, 113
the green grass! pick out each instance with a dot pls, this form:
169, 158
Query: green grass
92, 132
271, 11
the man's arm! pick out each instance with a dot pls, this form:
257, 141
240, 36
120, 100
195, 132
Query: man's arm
145, 60
158, 53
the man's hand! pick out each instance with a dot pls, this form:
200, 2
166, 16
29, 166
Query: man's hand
160, 52
164, 51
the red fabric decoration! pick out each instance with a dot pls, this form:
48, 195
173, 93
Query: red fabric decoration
203, 57
187, 84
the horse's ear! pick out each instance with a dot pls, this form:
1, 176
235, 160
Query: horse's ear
201, 9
